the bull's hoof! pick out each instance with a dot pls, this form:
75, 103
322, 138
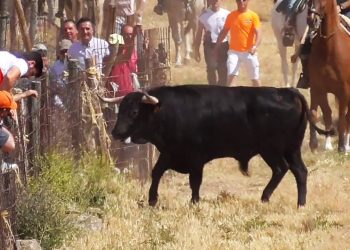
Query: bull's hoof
152, 203
194, 200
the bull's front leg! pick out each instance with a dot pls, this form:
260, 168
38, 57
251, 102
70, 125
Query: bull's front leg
157, 173
196, 176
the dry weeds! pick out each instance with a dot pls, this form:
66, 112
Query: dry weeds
230, 215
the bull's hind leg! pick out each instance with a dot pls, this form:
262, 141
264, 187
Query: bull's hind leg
279, 168
157, 172
196, 176
297, 166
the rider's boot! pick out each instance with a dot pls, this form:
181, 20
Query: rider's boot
303, 82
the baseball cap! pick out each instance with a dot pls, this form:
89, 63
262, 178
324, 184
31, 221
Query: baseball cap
6, 100
39, 47
65, 44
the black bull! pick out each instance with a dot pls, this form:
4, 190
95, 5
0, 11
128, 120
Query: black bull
191, 125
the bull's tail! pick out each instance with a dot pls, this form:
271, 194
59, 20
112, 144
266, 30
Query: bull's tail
306, 110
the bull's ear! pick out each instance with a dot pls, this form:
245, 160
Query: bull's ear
148, 99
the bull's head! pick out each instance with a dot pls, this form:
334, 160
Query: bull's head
133, 117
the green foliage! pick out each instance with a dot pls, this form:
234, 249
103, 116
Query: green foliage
44, 207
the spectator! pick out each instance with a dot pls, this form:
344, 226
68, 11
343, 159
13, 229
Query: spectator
212, 21
126, 12
7, 109
7, 142
57, 70
245, 36
70, 30
42, 50
89, 46
344, 7
12, 68
126, 62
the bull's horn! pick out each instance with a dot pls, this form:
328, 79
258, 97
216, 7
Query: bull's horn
117, 99
149, 99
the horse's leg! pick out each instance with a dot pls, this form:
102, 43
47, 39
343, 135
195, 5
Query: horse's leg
342, 125
188, 49
175, 27
295, 64
284, 62
327, 117
313, 143
347, 137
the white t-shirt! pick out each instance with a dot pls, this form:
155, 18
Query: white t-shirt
97, 48
8, 60
214, 22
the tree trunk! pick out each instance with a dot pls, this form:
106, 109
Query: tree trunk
4, 19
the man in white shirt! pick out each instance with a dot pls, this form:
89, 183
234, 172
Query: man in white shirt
212, 21
14, 67
88, 46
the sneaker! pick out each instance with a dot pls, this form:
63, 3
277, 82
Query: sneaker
158, 9
303, 83
7, 167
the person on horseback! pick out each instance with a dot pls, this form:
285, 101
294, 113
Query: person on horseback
305, 48
344, 7
290, 8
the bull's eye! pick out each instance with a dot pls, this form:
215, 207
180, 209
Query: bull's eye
134, 113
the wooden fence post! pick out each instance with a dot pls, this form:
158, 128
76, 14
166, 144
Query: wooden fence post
23, 25
99, 126
74, 105
45, 115
4, 18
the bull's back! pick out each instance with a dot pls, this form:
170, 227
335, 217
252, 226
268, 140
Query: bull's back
222, 120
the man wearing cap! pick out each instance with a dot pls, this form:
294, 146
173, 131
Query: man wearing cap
7, 103
57, 70
8, 107
42, 50
24, 65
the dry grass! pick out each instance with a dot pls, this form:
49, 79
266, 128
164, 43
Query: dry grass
230, 215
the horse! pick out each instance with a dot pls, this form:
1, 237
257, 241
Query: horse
177, 15
277, 23
329, 71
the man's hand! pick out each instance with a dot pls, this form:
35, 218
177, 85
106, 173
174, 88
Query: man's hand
32, 92
252, 50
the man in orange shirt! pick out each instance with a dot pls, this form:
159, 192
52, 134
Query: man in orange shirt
245, 36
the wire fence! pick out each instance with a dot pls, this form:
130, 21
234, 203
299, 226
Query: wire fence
77, 121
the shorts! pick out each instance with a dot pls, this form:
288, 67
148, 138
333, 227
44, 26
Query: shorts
249, 61
4, 136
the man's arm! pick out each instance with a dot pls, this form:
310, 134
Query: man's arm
223, 33
197, 41
10, 78
258, 39
30, 92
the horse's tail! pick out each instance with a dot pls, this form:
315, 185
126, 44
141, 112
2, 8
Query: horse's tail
310, 117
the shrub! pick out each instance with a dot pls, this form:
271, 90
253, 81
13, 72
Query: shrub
44, 207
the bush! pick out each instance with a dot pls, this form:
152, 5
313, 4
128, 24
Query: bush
44, 207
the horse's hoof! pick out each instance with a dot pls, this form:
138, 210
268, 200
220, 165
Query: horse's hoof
178, 65
187, 61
